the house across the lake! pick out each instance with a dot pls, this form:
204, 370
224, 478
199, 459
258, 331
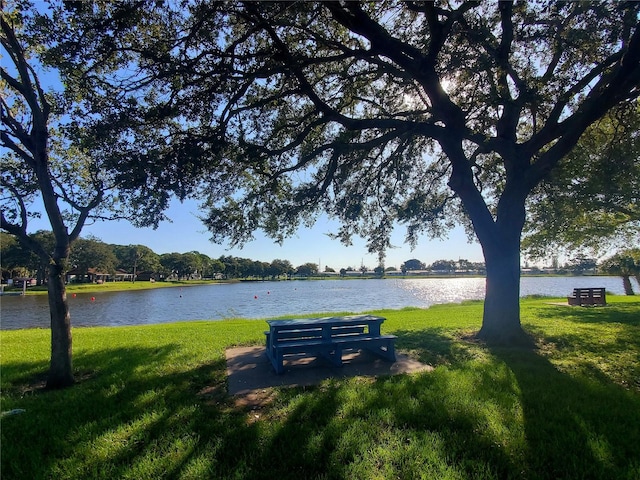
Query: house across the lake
122, 276
92, 275
147, 276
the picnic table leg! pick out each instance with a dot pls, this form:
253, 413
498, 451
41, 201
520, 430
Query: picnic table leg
278, 364
386, 351
333, 355
391, 351
374, 328
274, 356
337, 357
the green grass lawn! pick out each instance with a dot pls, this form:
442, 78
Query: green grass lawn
151, 403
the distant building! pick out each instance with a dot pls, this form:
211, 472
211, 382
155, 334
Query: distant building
122, 276
147, 276
92, 275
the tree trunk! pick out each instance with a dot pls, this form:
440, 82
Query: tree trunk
499, 235
60, 367
500, 241
626, 283
501, 318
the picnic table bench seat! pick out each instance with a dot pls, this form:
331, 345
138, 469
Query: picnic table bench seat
327, 337
588, 296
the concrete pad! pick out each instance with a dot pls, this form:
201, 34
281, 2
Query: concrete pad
249, 369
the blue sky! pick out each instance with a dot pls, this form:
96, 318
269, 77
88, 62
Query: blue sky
186, 233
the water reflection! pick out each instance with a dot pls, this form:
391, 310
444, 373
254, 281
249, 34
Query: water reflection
451, 290
271, 299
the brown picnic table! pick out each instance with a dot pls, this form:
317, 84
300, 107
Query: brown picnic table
588, 296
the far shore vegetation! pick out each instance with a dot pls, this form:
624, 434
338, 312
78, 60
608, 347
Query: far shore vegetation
121, 286
93, 261
151, 402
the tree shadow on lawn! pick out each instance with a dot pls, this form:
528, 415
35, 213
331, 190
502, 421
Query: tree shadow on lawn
435, 346
400, 426
514, 416
625, 313
594, 339
485, 413
590, 336
129, 411
133, 419
576, 426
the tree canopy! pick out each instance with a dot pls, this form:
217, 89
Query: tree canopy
592, 200
49, 164
424, 114
413, 264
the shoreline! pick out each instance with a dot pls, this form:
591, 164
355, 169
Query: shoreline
115, 286
147, 285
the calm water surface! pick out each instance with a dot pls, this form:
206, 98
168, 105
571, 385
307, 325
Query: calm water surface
271, 299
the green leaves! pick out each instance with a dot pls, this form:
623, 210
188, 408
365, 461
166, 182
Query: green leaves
591, 200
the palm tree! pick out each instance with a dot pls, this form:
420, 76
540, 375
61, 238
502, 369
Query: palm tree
625, 264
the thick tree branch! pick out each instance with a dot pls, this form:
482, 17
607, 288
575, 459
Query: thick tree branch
623, 83
422, 68
29, 87
8, 142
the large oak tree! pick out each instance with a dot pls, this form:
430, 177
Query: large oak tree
411, 112
422, 113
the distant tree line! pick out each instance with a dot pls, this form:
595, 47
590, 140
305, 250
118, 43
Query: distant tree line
444, 266
139, 262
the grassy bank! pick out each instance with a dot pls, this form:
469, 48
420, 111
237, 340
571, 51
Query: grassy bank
151, 403
113, 286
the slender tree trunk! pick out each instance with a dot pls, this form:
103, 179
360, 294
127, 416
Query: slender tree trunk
626, 283
60, 367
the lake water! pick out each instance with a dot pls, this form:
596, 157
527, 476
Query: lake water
271, 299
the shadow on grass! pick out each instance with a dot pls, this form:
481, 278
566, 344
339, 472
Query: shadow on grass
625, 313
484, 413
26, 376
575, 426
516, 416
402, 426
601, 341
431, 345
126, 412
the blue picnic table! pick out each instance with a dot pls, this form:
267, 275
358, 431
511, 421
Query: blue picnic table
327, 337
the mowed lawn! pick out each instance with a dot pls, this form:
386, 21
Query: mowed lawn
151, 403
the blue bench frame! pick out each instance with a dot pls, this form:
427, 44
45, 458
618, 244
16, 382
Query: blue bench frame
328, 338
